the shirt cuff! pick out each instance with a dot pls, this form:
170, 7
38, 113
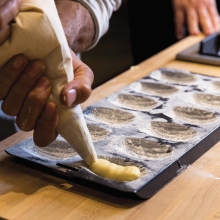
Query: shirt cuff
101, 11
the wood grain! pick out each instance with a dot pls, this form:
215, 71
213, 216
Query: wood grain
29, 193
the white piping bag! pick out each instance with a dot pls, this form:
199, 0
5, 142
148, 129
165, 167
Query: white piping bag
38, 34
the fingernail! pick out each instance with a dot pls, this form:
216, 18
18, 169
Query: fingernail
18, 62
70, 98
49, 111
36, 68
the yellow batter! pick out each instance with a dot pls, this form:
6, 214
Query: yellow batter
115, 172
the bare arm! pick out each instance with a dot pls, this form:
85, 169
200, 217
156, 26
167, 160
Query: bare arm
78, 24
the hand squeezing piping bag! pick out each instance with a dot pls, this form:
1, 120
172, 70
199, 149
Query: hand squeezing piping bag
38, 34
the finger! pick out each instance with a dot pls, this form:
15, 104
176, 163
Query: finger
205, 20
214, 15
34, 104
78, 90
45, 130
15, 98
4, 33
8, 11
179, 20
10, 73
192, 21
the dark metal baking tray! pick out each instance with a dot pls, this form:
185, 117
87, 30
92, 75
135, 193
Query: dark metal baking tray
122, 128
206, 51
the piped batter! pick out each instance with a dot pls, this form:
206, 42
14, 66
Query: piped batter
113, 171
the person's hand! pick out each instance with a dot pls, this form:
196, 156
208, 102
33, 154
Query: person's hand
25, 92
8, 11
197, 16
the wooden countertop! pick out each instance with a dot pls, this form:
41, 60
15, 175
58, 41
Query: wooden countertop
27, 193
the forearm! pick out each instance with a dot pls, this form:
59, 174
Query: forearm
78, 24
85, 21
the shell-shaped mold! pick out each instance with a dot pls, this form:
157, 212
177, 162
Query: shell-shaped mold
216, 85
177, 77
112, 116
194, 115
172, 130
158, 88
209, 100
136, 102
147, 148
57, 150
97, 132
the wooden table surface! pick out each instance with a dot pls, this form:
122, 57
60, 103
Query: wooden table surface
27, 193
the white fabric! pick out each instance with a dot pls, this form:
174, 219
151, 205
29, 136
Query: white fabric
38, 34
101, 11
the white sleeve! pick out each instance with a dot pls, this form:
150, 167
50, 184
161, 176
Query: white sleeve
101, 11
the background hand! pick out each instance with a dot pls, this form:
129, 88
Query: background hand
197, 16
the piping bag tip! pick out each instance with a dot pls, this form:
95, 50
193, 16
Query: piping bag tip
73, 128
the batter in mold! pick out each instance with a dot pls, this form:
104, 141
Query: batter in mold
113, 116
177, 77
158, 88
209, 100
97, 132
172, 130
136, 101
115, 172
144, 147
194, 115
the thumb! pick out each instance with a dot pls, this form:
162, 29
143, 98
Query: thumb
79, 89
